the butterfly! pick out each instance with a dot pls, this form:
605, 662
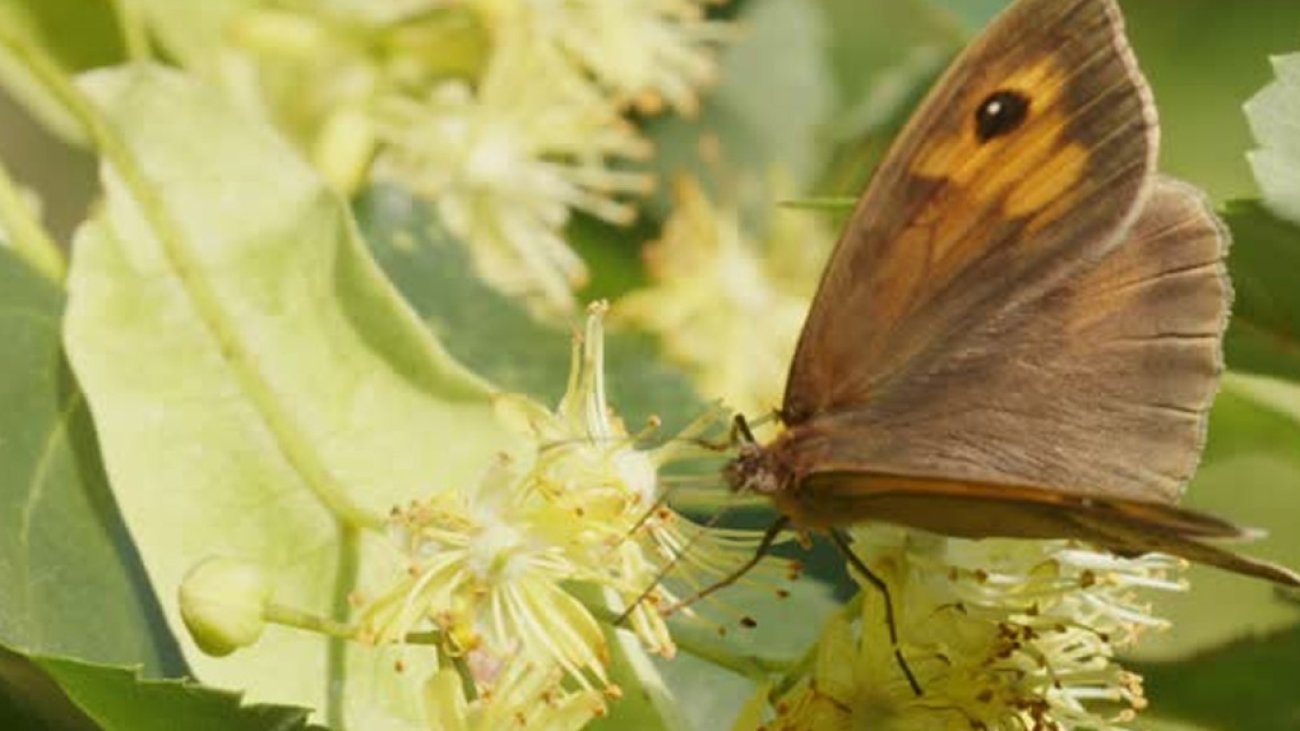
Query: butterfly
1019, 333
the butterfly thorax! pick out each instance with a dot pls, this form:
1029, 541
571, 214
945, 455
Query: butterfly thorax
756, 470
773, 470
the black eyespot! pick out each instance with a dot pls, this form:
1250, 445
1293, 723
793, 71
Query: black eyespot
1002, 112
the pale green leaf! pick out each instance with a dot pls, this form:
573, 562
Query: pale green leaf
259, 388
1274, 115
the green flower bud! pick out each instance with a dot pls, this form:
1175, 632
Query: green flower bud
222, 603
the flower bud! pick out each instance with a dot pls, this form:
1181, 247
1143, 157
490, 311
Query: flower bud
222, 603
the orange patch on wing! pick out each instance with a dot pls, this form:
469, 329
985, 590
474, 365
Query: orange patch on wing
1024, 171
1048, 181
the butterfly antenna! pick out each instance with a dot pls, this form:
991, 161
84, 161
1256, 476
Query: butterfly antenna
663, 573
764, 545
739, 431
841, 542
654, 508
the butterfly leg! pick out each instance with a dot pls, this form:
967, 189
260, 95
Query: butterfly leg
740, 428
841, 542
739, 432
764, 545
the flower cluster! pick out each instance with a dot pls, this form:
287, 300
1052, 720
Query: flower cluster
516, 572
727, 305
521, 698
1001, 634
645, 52
507, 161
508, 114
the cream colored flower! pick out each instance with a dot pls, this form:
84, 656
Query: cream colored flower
645, 51
497, 571
320, 69
523, 698
508, 161
495, 125
729, 306
590, 468
1001, 634
485, 571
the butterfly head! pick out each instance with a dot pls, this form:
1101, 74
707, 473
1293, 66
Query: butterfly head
754, 470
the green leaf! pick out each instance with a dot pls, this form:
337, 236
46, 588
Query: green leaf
646, 703
1246, 684
71, 694
31, 699
1274, 115
1264, 334
1204, 60
784, 630
612, 253
773, 95
260, 390
494, 334
72, 582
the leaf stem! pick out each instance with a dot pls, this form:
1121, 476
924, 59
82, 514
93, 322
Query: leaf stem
336, 664
27, 237
134, 36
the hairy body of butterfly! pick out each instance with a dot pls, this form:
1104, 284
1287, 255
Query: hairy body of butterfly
1020, 332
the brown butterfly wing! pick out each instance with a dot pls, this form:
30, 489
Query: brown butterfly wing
1100, 387
980, 509
1079, 417
964, 218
